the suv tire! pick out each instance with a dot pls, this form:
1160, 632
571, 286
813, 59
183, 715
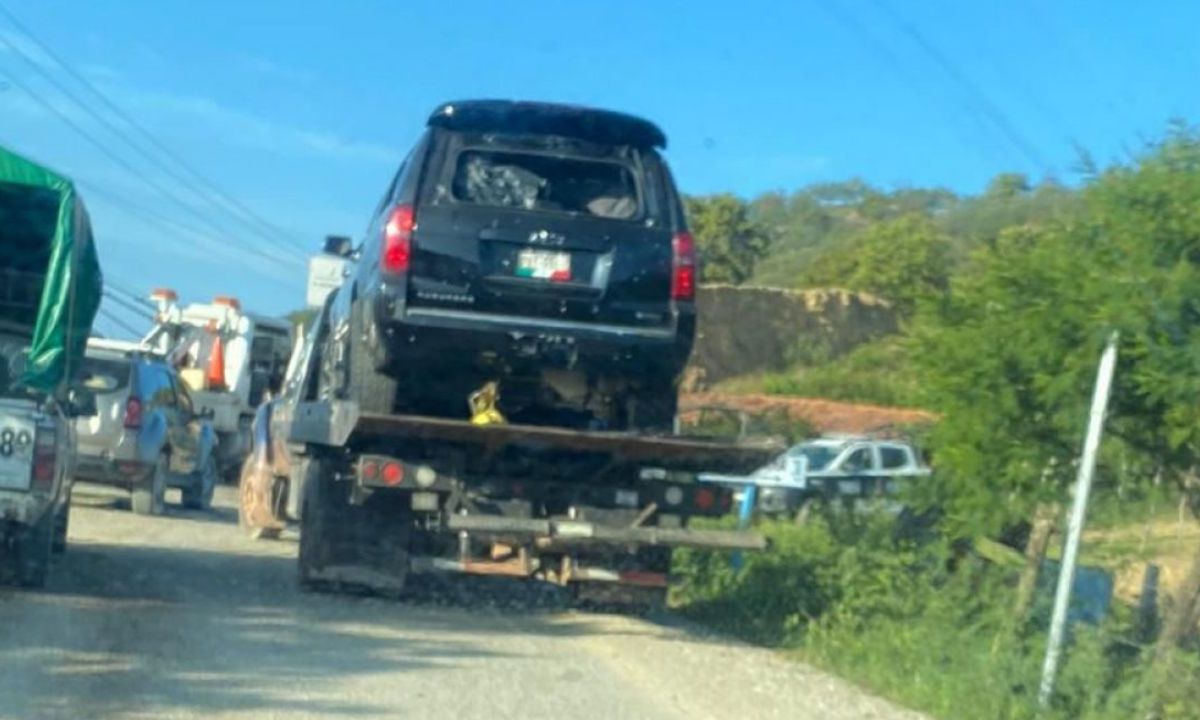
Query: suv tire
366, 384
198, 494
34, 553
62, 521
148, 496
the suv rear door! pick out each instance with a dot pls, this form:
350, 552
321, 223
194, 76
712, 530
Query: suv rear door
543, 227
111, 379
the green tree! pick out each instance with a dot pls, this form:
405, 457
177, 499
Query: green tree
904, 260
1008, 357
728, 241
303, 316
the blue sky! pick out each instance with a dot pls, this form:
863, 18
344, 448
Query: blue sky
302, 109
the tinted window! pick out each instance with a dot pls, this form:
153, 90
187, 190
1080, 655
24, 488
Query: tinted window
818, 456
546, 183
105, 375
860, 459
891, 457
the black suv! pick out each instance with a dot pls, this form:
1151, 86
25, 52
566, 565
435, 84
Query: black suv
540, 245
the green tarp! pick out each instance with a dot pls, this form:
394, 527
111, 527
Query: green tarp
62, 235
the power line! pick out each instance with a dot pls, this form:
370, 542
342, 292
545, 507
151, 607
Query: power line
142, 312
151, 216
893, 62
112, 318
99, 145
975, 96
245, 216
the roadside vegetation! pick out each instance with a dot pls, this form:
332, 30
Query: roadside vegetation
1006, 300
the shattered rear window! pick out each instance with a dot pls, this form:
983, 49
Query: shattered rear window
547, 183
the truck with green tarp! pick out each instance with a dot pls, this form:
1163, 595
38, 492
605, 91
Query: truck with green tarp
50, 287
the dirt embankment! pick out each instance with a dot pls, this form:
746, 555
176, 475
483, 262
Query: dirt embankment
751, 330
825, 416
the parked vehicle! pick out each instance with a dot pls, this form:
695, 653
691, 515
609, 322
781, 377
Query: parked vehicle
540, 245
50, 286
228, 358
832, 467
147, 435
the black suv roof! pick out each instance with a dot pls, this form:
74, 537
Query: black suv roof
601, 126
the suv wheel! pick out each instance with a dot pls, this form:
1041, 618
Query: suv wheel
371, 388
198, 493
34, 553
62, 520
148, 497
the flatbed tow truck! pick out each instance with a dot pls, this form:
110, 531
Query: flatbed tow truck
383, 497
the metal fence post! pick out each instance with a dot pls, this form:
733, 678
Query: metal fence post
1083, 486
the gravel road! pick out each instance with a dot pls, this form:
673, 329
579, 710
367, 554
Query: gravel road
183, 616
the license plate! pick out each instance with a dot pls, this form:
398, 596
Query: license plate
16, 458
544, 265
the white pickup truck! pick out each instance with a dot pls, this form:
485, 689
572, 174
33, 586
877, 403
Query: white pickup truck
838, 466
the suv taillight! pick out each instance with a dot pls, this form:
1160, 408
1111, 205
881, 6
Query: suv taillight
42, 472
683, 267
133, 413
397, 240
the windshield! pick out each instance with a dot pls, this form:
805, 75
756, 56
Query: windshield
600, 360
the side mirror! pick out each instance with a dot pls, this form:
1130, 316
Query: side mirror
80, 403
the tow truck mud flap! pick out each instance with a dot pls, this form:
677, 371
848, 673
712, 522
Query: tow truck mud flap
555, 533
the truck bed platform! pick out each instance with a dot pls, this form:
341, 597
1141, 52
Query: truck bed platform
340, 424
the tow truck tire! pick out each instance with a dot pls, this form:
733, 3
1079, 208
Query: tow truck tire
148, 496
366, 383
198, 494
34, 553
314, 525
312, 531
343, 546
62, 520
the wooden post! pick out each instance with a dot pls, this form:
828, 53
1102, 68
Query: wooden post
1045, 517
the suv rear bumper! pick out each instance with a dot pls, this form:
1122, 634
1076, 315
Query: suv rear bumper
110, 471
448, 333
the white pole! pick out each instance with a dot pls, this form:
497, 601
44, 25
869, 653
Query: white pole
1083, 487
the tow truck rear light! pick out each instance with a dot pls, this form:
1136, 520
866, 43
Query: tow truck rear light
683, 267
42, 472
133, 413
370, 470
392, 473
704, 499
397, 240
227, 301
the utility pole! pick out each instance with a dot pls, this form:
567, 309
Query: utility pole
1083, 487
